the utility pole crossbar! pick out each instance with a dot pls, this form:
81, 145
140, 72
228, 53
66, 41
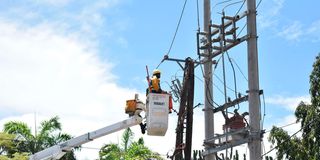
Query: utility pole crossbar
230, 104
233, 103
211, 141
225, 146
229, 46
228, 23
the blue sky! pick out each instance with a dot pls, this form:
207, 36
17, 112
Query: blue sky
82, 59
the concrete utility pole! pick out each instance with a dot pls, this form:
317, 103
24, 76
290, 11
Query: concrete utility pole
253, 77
208, 93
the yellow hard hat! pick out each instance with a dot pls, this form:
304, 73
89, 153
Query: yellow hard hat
156, 71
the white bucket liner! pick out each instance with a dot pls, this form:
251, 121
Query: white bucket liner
157, 114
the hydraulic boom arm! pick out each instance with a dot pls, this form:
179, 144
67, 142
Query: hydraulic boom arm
57, 151
156, 117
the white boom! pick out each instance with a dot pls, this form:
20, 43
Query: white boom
156, 117
57, 151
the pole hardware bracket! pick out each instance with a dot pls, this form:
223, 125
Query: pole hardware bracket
256, 135
255, 91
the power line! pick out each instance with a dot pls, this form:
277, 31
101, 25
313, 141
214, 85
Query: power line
207, 86
282, 142
226, 86
93, 148
219, 89
288, 138
213, 84
226, 1
175, 33
244, 26
237, 14
240, 7
221, 3
177, 28
234, 61
234, 77
246, 23
232, 4
217, 62
198, 17
286, 125
264, 147
258, 4
264, 110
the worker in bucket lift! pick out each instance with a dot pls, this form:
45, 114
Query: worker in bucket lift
155, 87
155, 82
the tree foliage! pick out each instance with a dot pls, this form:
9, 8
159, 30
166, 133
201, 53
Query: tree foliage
128, 150
308, 145
25, 142
6, 144
15, 156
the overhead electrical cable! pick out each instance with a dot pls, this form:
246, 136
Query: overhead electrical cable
240, 7
239, 69
198, 16
289, 137
246, 23
287, 125
207, 87
175, 33
234, 78
264, 110
232, 4
220, 80
258, 4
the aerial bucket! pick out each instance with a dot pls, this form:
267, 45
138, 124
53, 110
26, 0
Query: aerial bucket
157, 114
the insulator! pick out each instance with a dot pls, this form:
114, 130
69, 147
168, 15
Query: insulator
179, 84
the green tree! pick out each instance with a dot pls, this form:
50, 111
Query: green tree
49, 134
8, 149
308, 145
128, 150
15, 156
6, 144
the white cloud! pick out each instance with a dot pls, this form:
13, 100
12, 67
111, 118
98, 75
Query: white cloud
278, 5
314, 31
269, 17
289, 103
88, 18
52, 2
52, 74
292, 32
297, 31
91, 18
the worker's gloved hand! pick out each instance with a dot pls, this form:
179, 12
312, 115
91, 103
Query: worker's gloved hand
143, 128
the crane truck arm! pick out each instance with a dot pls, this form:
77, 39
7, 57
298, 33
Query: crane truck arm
156, 110
57, 151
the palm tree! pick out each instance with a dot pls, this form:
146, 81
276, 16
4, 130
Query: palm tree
110, 151
129, 150
49, 135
